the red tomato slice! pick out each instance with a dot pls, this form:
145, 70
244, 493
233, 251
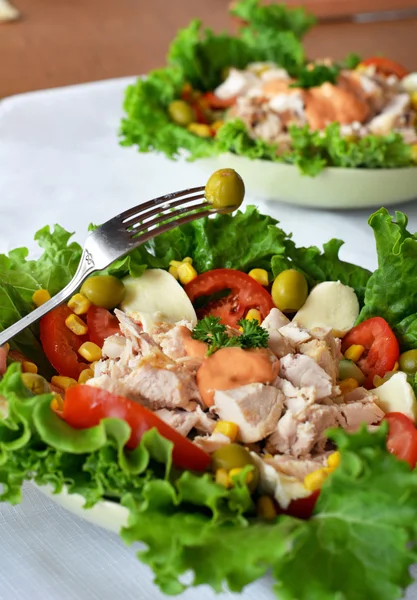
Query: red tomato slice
402, 437
245, 293
101, 324
60, 344
218, 103
303, 507
381, 348
85, 406
385, 66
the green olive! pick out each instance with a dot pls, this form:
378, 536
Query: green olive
348, 369
225, 189
104, 290
235, 456
181, 113
36, 383
408, 362
289, 291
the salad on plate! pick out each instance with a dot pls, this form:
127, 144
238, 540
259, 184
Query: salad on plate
249, 401
257, 95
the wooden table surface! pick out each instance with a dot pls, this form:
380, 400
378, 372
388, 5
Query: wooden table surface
62, 42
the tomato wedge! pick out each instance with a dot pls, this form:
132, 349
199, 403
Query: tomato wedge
60, 344
402, 437
101, 324
381, 348
385, 66
85, 406
245, 293
218, 103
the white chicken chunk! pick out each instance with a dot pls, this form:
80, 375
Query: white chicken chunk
277, 343
255, 408
303, 371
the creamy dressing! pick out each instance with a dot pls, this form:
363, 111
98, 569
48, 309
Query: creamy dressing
231, 368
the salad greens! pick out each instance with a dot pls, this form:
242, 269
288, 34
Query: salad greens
210, 331
365, 516
360, 542
200, 57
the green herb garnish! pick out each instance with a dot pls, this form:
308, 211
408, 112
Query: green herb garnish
315, 75
215, 334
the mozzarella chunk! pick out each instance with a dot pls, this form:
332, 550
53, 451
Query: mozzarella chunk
330, 304
156, 297
409, 83
283, 488
397, 395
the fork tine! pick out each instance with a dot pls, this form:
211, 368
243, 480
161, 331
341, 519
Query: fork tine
157, 201
144, 237
138, 227
133, 218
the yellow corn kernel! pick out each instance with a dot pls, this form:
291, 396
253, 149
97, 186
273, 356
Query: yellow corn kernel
265, 508
175, 263
57, 404
29, 367
259, 275
414, 153
395, 367
222, 478
237, 470
40, 297
200, 129
76, 325
85, 375
79, 304
216, 125
227, 428
173, 271
90, 351
188, 259
361, 67
314, 481
354, 352
348, 385
413, 100
267, 455
186, 273
253, 315
7, 347
333, 460
63, 382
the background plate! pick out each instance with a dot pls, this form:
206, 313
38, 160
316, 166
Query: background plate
334, 188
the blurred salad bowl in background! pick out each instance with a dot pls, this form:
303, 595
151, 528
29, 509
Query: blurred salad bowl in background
325, 133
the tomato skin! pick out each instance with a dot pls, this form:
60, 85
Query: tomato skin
385, 66
218, 103
402, 437
381, 348
303, 507
86, 406
60, 344
101, 324
245, 293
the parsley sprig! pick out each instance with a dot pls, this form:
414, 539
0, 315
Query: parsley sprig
211, 331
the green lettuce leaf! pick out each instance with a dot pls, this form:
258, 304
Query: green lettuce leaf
273, 16
359, 544
391, 292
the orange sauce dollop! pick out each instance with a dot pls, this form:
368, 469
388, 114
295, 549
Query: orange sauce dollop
230, 368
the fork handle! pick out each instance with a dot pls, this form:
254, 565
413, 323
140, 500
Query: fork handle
85, 268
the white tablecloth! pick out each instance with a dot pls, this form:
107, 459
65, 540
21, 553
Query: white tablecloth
60, 162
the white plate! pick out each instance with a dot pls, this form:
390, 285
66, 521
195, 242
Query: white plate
332, 188
106, 514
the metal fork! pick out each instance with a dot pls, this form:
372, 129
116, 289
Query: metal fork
120, 235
